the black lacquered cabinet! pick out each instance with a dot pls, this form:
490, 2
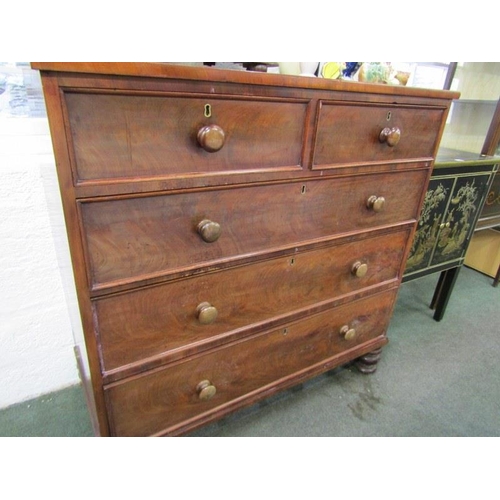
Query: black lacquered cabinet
490, 216
456, 195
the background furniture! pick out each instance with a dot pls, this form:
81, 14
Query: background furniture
457, 190
465, 164
232, 233
484, 254
474, 126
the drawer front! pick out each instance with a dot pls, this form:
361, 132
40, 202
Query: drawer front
152, 321
131, 239
349, 133
154, 402
134, 136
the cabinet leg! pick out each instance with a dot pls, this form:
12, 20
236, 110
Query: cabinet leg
497, 277
368, 362
443, 292
437, 290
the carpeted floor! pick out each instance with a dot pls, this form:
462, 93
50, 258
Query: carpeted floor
434, 379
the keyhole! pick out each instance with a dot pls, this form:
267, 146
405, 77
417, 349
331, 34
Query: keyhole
303, 189
208, 111
388, 116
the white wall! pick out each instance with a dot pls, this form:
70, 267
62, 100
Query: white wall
36, 338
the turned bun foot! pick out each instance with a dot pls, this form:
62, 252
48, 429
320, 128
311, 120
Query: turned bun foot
368, 362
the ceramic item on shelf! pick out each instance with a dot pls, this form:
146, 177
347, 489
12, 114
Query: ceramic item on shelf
308, 68
402, 77
289, 68
350, 69
374, 72
332, 70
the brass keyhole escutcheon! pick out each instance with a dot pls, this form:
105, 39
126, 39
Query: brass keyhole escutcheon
208, 111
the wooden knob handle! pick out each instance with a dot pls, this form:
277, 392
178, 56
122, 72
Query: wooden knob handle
211, 138
375, 203
206, 390
347, 333
209, 230
359, 269
206, 313
390, 136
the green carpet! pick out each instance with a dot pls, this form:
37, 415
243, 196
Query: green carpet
434, 379
59, 414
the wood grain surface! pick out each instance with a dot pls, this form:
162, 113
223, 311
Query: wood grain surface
134, 239
296, 161
154, 402
153, 321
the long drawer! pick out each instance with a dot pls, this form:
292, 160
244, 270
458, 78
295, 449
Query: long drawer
141, 136
132, 239
153, 403
371, 132
148, 322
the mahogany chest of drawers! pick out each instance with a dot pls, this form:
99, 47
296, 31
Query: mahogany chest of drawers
231, 233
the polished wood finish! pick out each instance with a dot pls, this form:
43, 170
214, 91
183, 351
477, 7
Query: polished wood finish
232, 233
165, 317
351, 133
175, 71
142, 405
368, 362
133, 134
211, 137
253, 221
391, 136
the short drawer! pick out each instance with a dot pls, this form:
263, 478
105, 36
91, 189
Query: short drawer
133, 239
153, 403
144, 136
351, 132
185, 314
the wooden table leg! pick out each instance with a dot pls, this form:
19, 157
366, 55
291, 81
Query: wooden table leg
368, 363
